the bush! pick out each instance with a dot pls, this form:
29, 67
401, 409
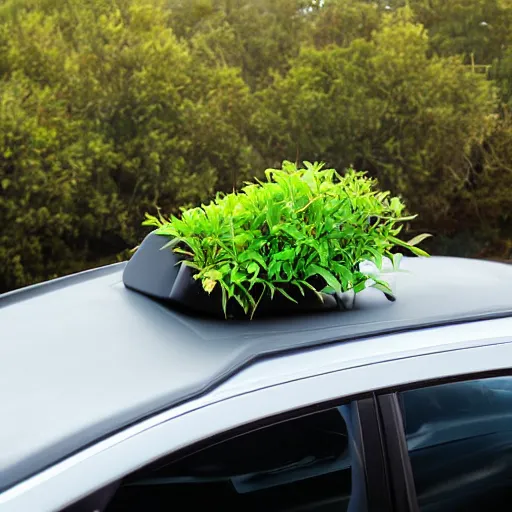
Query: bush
109, 109
105, 114
386, 107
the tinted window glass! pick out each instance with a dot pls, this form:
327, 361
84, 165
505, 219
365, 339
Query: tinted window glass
298, 465
459, 437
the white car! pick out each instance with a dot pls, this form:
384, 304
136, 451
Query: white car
112, 400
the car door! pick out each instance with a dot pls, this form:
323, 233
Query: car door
386, 470
336, 446
312, 459
449, 443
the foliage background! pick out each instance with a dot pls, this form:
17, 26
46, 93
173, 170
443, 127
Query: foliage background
111, 108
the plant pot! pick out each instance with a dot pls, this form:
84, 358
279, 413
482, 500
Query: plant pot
151, 270
160, 273
188, 294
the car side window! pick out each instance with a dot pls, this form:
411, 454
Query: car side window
303, 464
459, 438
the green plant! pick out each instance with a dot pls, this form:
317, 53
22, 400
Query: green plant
300, 227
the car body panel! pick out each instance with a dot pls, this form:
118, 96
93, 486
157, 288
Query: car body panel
84, 357
232, 405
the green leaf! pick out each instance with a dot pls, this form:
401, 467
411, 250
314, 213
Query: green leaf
283, 292
418, 239
249, 298
359, 287
224, 298
418, 252
271, 287
274, 269
397, 258
213, 274
415, 250
242, 239
236, 276
383, 287
288, 270
329, 278
292, 231
336, 235
253, 268
258, 301
254, 256
323, 251
258, 221
345, 274
313, 289
298, 285
242, 302
190, 264
177, 250
286, 255
377, 257
171, 243
273, 215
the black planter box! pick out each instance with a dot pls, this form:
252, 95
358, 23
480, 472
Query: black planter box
188, 293
160, 273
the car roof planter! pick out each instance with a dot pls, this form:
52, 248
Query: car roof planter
293, 244
158, 272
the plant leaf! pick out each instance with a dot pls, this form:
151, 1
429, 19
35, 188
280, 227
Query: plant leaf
329, 278
171, 243
344, 272
418, 252
415, 250
286, 255
283, 292
377, 257
397, 258
254, 256
418, 239
383, 287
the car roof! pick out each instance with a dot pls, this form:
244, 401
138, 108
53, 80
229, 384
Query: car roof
83, 357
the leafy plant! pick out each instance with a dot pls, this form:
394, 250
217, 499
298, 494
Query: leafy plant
300, 228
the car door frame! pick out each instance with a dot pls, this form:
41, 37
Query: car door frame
367, 437
397, 458
108, 461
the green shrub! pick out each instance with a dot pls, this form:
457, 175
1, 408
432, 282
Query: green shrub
103, 115
411, 120
299, 228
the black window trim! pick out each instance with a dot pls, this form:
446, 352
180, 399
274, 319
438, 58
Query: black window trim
398, 462
397, 456
375, 464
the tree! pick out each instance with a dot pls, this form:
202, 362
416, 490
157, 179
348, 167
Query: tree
105, 114
384, 106
466, 27
256, 35
339, 22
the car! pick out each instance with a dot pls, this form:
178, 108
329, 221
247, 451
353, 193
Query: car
116, 400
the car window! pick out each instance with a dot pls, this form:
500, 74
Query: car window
459, 437
296, 465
